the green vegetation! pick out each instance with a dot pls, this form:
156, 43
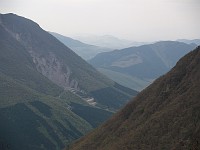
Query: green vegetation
126, 80
35, 111
166, 115
19, 104
136, 67
108, 97
91, 114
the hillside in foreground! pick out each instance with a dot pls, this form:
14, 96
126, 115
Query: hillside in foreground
166, 115
49, 96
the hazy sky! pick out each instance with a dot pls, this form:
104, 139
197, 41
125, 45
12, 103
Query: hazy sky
139, 20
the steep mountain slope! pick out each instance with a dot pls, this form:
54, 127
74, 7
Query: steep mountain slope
86, 51
166, 115
32, 116
61, 65
144, 63
46, 89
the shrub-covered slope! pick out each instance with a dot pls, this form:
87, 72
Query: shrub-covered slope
44, 88
57, 62
166, 115
32, 116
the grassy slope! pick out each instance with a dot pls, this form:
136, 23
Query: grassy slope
16, 63
155, 60
36, 39
43, 43
166, 115
36, 113
27, 114
30, 105
126, 80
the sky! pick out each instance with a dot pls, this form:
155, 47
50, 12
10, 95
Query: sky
136, 20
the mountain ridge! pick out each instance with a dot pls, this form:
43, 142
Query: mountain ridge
46, 89
163, 116
86, 51
54, 60
145, 63
187, 41
108, 41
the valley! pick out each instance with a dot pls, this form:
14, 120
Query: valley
141, 65
86, 51
99, 75
163, 116
48, 92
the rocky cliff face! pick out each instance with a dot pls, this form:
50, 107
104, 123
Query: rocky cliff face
54, 70
60, 64
48, 65
34, 111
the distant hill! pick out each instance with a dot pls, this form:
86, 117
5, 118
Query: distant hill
142, 64
107, 41
86, 51
166, 115
49, 96
195, 41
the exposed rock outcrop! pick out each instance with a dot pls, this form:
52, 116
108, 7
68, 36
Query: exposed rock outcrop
54, 70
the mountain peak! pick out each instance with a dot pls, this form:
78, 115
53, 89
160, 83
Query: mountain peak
49, 95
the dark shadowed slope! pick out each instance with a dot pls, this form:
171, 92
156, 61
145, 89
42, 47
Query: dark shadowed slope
166, 115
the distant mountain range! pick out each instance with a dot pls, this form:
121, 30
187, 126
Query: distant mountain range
49, 96
195, 41
137, 67
108, 41
100, 44
86, 51
166, 115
